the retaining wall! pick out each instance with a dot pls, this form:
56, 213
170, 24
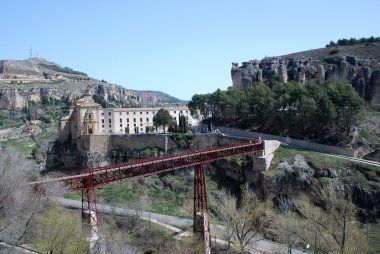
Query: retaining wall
290, 141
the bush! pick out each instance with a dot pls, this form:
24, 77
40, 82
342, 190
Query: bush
334, 51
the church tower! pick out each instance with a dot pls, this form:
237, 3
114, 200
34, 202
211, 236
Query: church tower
89, 123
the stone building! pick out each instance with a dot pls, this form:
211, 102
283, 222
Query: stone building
88, 118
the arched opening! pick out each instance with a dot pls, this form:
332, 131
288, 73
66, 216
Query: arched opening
90, 131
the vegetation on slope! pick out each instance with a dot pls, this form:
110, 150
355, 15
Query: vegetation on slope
57, 68
353, 41
318, 112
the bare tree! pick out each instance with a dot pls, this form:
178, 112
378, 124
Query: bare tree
329, 227
60, 232
243, 223
287, 224
18, 206
339, 223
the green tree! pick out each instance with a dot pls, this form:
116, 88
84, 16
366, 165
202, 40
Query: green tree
347, 103
261, 103
322, 119
162, 119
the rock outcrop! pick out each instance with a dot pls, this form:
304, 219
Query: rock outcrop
362, 72
28, 80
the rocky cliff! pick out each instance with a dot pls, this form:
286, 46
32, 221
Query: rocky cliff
28, 80
356, 64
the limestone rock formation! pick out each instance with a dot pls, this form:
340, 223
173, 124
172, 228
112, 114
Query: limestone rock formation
361, 69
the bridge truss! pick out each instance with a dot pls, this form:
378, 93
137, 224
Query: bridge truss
88, 180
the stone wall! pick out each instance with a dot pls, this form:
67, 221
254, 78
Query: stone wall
290, 141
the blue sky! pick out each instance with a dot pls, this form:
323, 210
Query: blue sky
178, 47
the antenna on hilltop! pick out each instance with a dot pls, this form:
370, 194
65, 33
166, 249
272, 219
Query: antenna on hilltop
30, 53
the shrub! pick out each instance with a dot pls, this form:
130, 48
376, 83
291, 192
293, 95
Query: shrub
334, 51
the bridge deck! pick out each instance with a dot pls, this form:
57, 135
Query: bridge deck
113, 173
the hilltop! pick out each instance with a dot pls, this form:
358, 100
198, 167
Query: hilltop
28, 80
36, 68
360, 51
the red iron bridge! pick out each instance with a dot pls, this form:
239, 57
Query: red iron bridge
88, 180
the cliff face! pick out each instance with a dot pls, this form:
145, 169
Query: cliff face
358, 65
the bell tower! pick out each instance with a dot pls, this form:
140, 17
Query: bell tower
89, 123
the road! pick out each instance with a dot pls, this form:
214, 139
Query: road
353, 159
6, 248
260, 246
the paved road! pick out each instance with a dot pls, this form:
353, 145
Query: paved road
261, 246
6, 248
354, 159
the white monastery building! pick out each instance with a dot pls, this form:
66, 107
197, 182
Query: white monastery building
89, 118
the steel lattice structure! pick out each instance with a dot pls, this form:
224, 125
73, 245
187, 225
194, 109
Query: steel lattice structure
88, 180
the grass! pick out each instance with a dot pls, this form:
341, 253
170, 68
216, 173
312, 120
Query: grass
319, 160
147, 194
24, 145
165, 194
274, 172
356, 178
373, 237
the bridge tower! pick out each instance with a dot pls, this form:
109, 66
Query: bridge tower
201, 226
90, 213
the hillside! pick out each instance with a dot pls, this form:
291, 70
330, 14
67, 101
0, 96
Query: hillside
357, 64
28, 80
360, 51
35, 69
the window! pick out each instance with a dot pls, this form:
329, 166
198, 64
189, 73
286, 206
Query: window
147, 112
141, 129
109, 113
109, 121
127, 120
89, 116
121, 130
154, 112
134, 120
110, 125
103, 126
140, 119
102, 130
121, 120
140, 113
121, 125
147, 120
134, 125
134, 113
102, 120
180, 111
120, 113
110, 131
175, 112
186, 112
127, 113
175, 118
102, 113
127, 125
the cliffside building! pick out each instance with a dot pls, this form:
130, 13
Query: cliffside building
88, 118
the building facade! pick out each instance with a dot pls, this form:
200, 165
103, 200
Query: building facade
88, 118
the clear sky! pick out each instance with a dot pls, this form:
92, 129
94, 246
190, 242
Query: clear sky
178, 47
